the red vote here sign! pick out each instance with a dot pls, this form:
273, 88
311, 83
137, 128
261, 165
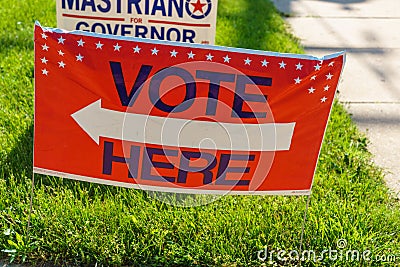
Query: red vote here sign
179, 117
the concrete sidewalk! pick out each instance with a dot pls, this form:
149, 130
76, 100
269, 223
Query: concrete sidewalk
369, 30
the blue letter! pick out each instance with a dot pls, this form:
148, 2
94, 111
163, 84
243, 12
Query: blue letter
140, 31
88, 3
215, 79
241, 96
82, 23
109, 158
154, 90
104, 9
178, 7
224, 169
188, 36
158, 6
71, 4
136, 3
119, 82
148, 163
184, 167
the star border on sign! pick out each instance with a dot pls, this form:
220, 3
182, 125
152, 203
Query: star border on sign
154, 51
329, 76
299, 66
191, 55
209, 57
80, 42
61, 64
136, 49
282, 65
99, 45
264, 63
79, 57
45, 47
247, 61
61, 40
227, 59
45, 72
173, 53
117, 47
44, 60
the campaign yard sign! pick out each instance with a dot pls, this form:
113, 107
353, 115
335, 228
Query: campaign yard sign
178, 117
191, 21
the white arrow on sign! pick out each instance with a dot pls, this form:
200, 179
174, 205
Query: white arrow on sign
97, 121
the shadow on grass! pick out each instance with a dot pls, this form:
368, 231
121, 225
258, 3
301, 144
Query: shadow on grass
255, 24
286, 6
17, 42
18, 165
18, 162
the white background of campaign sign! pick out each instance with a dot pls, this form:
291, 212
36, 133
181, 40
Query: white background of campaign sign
191, 21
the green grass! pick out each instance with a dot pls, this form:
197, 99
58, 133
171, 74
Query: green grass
83, 224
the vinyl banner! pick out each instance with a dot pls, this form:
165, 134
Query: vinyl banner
177, 117
191, 21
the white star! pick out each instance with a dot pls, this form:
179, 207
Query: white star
173, 53
297, 80
44, 36
80, 42
317, 67
44, 60
61, 53
323, 99
226, 58
311, 90
191, 55
331, 64
154, 51
264, 63
329, 76
326, 88
79, 57
99, 45
45, 72
313, 77
117, 47
61, 40
247, 61
136, 49
282, 65
299, 66
61, 64
209, 57
45, 47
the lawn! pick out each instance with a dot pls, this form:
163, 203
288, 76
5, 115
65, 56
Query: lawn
78, 223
